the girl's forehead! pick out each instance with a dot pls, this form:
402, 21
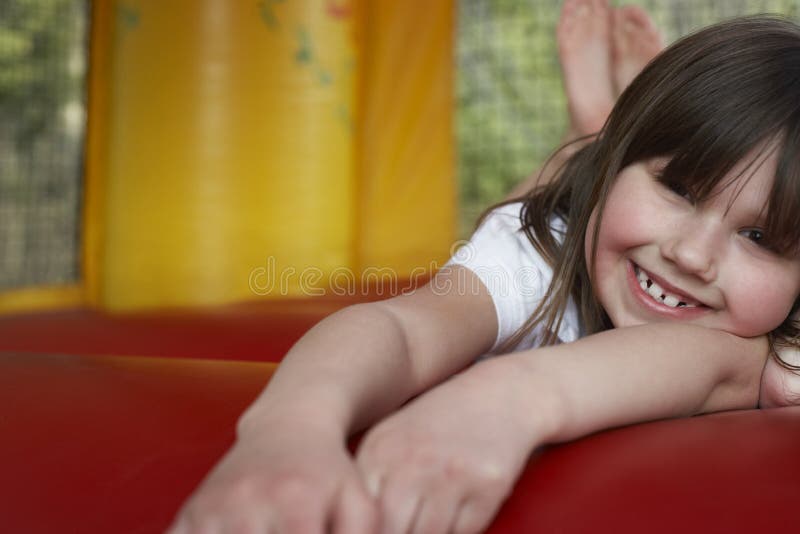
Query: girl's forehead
763, 157
749, 193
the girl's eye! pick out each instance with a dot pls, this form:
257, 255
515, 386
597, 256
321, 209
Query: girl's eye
755, 235
679, 190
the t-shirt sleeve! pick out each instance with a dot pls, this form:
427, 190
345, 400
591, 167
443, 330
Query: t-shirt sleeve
514, 273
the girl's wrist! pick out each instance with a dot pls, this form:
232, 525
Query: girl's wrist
266, 420
519, 395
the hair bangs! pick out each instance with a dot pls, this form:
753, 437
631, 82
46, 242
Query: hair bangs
710, 106
783, 210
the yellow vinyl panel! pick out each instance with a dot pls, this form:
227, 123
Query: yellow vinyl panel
96, 150
231, 149
41, 298
406, 165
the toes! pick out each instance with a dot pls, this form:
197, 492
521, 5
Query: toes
577, 14
635, 19
601, 5
618, 35
636, 16
635, 41
570, 11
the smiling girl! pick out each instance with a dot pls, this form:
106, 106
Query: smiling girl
650, 279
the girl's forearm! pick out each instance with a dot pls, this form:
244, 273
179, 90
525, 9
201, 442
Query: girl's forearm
366, 360
344, 373
630, 375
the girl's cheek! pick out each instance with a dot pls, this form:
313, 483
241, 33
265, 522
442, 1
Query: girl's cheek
759, 308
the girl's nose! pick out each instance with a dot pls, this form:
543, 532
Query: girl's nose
693, 248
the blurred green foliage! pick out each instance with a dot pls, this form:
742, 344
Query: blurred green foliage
511, 110
42, 124
35, 77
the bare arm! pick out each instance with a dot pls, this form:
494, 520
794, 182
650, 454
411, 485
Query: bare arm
636, 374
366, 360
289, 470
458, 449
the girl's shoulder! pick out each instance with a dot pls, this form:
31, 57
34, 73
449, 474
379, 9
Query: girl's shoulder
515, 274
509, 218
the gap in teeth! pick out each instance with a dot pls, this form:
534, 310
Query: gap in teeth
646, 284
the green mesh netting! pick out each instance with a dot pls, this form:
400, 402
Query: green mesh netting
43, 50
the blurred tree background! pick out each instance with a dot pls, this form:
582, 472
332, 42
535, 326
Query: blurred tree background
511, 109
42, 125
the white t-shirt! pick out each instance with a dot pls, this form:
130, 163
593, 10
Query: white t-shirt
515, 275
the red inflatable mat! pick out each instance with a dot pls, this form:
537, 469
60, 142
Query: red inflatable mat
261, 331
114, 444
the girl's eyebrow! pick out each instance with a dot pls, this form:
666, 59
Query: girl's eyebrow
758, 218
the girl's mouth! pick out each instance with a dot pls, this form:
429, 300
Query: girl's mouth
664, 301
661, 295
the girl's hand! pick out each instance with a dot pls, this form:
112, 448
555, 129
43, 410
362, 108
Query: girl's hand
447, 461
289, 481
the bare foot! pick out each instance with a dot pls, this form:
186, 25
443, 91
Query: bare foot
636, 41
584, 48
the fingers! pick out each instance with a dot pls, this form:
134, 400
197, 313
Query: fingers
434, 476
399, 501
437, 513
372, 477
292, 505
297, 522
356, 512
417, 502
475, 515
296, 503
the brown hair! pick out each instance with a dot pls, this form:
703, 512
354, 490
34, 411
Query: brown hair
704, 103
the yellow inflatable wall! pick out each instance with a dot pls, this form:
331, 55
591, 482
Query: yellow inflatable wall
407, 198
255, 148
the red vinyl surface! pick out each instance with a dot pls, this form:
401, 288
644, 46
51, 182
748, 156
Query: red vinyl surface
262, 331
252, 331
96, 444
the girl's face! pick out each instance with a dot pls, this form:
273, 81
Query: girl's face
661, 257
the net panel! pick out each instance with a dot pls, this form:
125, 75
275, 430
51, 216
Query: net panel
43, 51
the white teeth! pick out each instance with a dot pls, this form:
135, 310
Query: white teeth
671, 301
655, 291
